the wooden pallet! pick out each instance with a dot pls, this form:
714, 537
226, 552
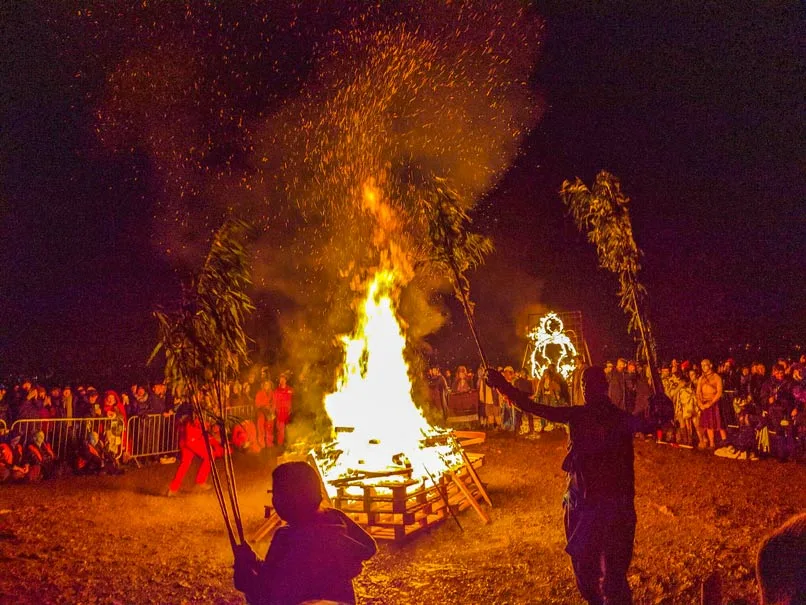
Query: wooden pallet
397, 510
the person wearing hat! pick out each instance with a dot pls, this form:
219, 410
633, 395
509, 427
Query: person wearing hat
599, 501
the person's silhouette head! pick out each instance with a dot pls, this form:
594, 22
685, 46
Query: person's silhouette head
296, 491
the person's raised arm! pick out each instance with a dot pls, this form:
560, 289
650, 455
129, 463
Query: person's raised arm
523, 400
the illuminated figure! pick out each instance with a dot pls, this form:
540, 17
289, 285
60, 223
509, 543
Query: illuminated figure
551, 347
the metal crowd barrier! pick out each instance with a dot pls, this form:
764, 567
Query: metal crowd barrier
65, 434
241, 412
152, 435
158, 434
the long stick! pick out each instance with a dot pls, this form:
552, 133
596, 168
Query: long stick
229, 469
214, 474
445, 499
467, 309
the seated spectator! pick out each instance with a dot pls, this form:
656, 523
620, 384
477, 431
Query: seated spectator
12, 467
244, 437
110, 444
40, 458
781, 563
742, 444
89, 460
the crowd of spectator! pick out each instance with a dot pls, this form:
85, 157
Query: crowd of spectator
95, 423
736, 411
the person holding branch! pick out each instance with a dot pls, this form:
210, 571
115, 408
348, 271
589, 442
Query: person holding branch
599, 501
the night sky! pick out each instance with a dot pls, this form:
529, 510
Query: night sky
699, 112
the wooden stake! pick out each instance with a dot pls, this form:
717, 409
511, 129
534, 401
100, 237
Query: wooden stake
466, 492
475, 477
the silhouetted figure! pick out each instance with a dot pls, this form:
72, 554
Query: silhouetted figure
314, 557
781, 564
599, 502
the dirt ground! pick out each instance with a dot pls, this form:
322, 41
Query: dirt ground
88, 540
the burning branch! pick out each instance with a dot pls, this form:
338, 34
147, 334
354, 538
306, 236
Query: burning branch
205, 347
602, 214
451, 247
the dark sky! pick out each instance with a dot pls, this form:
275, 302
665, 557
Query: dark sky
699, 112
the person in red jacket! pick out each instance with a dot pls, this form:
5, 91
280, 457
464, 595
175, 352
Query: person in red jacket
89, 460
40, 458
282, 397
265, 414
192, 445
11, 465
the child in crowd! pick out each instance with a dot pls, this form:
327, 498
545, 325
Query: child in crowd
315, 556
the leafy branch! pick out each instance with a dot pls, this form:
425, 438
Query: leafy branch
205, 347
451, 247
602, 214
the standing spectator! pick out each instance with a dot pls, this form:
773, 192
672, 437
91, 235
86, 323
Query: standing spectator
548, 393
68, 402
577, 395
685, 409
94, 403
83, 408
438, 391
630, 385
144, 402
31, 409
461, 383
709, 392
508, 412
489, 410
4, 407
617, 388
642, 392
282, 397
776, 393
757, 380
57, 407
265, 414
157, 397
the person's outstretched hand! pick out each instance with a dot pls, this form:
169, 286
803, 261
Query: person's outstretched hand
496, 379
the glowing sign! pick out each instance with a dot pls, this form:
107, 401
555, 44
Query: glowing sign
551, 347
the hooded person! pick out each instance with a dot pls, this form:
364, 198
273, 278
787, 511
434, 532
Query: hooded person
314, 557
599, 500
40, 458
11, 459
